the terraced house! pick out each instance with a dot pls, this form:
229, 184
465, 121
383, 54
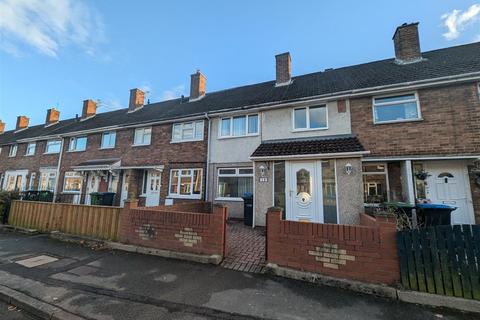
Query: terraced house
323, 146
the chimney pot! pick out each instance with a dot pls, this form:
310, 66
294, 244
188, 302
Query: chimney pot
407, 43
22, 122
2, 127
53, 116
89, 109
283, 68
137, 99
198, 84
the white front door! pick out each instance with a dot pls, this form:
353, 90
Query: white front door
448, 184
124, 193
93, 182
303, 191
152, 192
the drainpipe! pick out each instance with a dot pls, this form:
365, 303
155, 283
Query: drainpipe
57, 176
207, 170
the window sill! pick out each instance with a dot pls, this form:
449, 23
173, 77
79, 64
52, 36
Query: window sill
232, 199
235, 137
107, 148
73, 151
309, 129
398, 121
140, 145
51, 152
29, 155
177, 196
182, 141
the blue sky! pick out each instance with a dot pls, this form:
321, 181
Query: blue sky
56, 53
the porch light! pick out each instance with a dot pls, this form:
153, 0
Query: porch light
348, 168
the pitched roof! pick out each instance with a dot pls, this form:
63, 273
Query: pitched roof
440, 63
308, 146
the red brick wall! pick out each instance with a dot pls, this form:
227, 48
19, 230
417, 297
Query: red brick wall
365, 253
475, 193
199, 233
450, 125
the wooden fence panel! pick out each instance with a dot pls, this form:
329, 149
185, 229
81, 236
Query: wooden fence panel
93, 221
442, 260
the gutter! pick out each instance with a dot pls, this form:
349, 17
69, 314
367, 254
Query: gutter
57, 176
313, 156
207, 169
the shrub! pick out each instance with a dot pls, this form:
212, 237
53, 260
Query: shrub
6, 198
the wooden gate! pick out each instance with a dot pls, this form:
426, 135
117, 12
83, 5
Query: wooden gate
442, 260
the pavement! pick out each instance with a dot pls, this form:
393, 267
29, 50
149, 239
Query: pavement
9, 312
107, 284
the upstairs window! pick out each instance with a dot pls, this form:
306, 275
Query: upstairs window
239, 126
396, 108
53, 146
13, 150
187, 131
142, 137
108, 140
31, 149
78, 144
310, 118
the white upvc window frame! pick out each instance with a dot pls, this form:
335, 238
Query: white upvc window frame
384, 172
72, 174
417, 100
236, 174
142, 131
183, 196
307, 111
72, 145
31, 182
30, 146
110, 134
53, 142
230, 119
12, 152
195, 131
47, 174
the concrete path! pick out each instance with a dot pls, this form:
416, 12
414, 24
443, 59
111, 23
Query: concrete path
8, 312
104, 284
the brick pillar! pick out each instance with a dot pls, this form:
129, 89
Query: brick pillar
274, 216
220, 211
124, 226
134, 183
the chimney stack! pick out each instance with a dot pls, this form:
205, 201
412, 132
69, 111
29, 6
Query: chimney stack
137, 99
2, 127
53, 115
283, 69
407, 43
89, 109
198, 84
22, 123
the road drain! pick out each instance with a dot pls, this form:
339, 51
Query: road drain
36, 261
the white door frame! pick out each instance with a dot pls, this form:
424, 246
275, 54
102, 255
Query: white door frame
466, 180
317, 192
155, 200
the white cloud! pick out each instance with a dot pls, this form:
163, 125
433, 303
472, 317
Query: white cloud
173, 93
456, 21
48, 25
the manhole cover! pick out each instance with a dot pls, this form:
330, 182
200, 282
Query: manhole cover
36, 261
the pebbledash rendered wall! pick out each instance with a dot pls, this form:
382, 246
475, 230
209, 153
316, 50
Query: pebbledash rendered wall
167, 229
365, 253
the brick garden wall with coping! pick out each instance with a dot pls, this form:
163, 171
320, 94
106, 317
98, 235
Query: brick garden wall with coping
367, 252
163, 228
